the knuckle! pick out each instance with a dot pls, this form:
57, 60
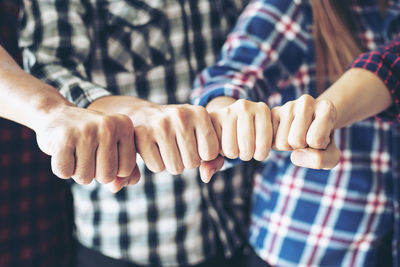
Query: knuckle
318, 142
126, 126
210, 153
243, 105
261, 155
192, 163
127, 170
304, 103
62, 172
275, 111
297, 142
107, 127
107, 175
231, 153
175, 170
89, 133
263, 107
306, 99
282, 145
156, 168
201, 113
82, 179
327, 108
289, 107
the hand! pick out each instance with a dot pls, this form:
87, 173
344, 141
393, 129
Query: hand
86, 144
245, 131
174, 137
244, 128
306, 126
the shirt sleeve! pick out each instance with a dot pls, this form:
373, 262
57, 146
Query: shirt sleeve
385, 63
268, 44
56, 46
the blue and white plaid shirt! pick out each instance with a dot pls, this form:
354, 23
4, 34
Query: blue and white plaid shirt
346, 216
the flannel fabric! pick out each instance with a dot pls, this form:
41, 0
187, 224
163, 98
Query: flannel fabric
150, 49
305, 217
35, 206
385, 63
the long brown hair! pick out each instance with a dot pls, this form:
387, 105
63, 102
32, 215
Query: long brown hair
336, 43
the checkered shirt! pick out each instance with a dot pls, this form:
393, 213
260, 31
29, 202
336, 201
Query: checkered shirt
151, 49
347, 216
35, 206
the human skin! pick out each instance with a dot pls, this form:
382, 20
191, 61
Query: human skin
83, 144
304, 126
171, 137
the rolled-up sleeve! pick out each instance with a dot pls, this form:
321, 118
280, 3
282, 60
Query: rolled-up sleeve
385, 63
56, 46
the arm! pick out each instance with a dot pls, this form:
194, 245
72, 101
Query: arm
256, 54
172, 137
63, 130
364, 90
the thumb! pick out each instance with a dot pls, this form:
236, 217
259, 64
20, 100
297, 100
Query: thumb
209, 168
315, 158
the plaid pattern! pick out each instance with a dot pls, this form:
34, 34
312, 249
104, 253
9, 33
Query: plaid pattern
151, 49
35, 206
385, 63
303, 217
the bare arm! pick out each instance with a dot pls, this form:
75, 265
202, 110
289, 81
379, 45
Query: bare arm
23, 98
83, 144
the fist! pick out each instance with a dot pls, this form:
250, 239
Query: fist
87, 145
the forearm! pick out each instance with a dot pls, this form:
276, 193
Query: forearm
23, 98
119, 104
357, 95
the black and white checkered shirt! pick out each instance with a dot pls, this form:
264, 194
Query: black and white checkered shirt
151, 49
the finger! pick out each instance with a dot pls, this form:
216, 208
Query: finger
148, 150
209, 168
126, 152
316, 158
218, 129
207, 140
170, 155
264, 135
63, 162
106, 162
229, 138
121, 182
318, 135
85, 157
282, 132
187, 145
245, 136
298, 130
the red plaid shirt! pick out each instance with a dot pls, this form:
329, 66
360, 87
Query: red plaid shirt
35, 206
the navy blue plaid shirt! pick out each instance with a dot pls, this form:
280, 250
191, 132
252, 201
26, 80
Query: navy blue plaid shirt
302, 217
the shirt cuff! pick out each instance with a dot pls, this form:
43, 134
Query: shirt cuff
202, 96
381, 64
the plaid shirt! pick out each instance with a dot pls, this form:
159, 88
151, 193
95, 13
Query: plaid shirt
35, 206
150, 49
347, 216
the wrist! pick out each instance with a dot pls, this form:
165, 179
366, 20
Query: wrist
44, 108
126, 105
219, 102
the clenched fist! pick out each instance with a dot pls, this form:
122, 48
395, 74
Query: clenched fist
87, 145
